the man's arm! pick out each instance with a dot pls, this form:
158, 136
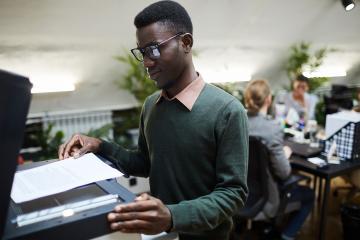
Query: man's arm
230, 192
132, 162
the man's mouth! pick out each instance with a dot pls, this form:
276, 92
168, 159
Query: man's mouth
154, 74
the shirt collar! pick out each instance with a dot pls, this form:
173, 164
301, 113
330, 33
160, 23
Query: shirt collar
188, 95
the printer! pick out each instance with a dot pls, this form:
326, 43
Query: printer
79, 213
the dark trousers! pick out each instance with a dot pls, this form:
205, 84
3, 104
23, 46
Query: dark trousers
305, 196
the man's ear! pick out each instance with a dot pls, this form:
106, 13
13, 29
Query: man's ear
187, 41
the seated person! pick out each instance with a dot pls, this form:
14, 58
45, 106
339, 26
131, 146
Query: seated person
299, 100
258, 101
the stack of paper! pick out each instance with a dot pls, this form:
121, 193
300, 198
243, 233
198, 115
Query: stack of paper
60, 176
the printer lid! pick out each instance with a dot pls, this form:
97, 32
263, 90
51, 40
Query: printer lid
15, 96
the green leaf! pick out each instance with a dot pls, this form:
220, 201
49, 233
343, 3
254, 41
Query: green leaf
300, 57
48, 142
102, 132
136, 79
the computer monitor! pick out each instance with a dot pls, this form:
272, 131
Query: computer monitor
15, 99
340, 99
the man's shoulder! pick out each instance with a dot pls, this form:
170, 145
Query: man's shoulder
217, 92
216, 97
151, 100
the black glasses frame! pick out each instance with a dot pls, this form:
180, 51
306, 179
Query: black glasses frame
152, 51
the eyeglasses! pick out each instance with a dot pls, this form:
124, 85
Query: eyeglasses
152, 51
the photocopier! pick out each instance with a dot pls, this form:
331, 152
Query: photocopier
79, 213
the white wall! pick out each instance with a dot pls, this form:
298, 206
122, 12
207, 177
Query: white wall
77, 40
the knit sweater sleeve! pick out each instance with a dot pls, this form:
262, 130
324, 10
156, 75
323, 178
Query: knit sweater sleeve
230, 192
132, 162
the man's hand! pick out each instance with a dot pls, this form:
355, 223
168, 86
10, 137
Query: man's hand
78, 145
146, 215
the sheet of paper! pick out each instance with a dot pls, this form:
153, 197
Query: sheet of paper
60, 176
317, 161
163, 235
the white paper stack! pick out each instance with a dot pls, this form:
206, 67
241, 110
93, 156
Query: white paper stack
60, 176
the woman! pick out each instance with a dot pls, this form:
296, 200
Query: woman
299, 99
258, 101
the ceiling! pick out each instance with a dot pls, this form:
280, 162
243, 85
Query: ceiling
77, 40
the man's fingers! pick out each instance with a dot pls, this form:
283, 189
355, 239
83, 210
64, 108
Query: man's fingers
76, 139
78, 153
146, 215
143, 197
133, 225
138, 206
60, 151
74, 150
149, 216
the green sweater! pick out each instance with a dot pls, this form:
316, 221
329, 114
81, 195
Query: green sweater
196, 160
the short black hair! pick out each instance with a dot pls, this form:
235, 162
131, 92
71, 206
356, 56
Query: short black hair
169, 13
302, 78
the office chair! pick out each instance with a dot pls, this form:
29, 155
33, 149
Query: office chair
259, 158
256, 181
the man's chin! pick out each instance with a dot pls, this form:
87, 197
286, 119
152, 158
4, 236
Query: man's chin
163, 84
158, 85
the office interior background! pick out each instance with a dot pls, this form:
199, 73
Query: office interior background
69, 50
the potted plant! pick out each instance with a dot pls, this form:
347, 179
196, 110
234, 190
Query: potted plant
137, 81
302, 59
48, 142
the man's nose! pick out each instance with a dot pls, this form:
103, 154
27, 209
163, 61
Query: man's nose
148, 62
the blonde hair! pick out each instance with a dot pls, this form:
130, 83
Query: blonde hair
255, 95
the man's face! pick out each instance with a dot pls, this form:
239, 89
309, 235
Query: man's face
168, 67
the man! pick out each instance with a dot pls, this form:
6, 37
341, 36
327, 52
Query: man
193, 142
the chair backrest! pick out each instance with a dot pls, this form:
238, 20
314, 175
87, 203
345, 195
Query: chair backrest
257, 178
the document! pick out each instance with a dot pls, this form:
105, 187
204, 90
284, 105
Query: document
317, 161
60, 176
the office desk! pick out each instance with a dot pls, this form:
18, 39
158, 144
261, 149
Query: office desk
327, 173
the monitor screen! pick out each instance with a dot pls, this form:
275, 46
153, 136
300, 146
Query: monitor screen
15, 98
340, 99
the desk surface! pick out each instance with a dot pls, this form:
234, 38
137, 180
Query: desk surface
328, 171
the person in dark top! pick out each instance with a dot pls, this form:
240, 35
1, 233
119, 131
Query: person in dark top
193, 142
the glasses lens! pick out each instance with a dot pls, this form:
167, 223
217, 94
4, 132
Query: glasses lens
152, 52
137, 54
155, 52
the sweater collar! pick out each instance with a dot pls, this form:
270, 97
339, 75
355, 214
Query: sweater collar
188, 95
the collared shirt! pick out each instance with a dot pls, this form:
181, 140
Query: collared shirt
188, 95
